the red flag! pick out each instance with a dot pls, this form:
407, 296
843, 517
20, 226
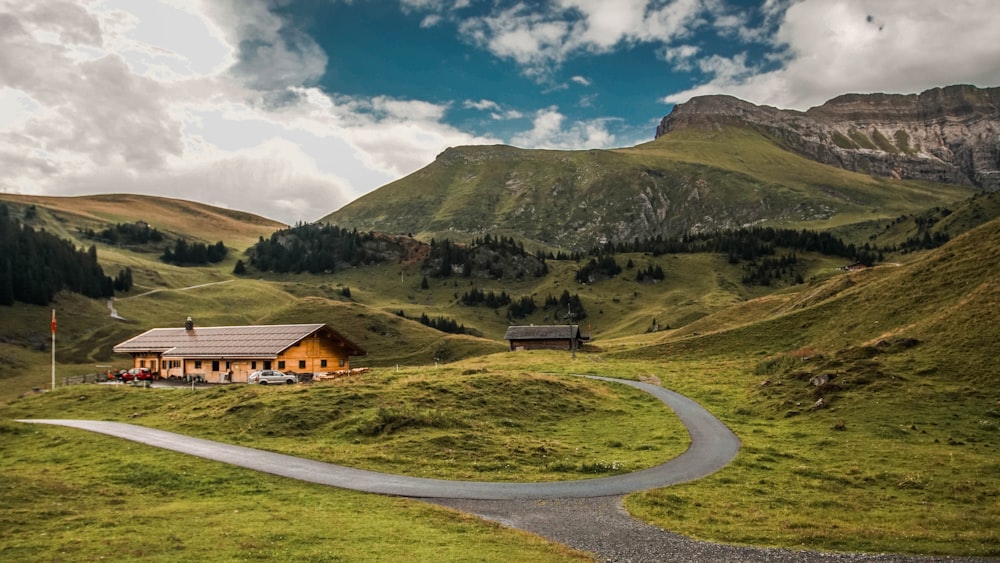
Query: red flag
53, 321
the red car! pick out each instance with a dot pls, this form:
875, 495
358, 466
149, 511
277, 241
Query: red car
140, 374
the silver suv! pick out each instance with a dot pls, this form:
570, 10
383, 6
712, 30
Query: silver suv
272, 376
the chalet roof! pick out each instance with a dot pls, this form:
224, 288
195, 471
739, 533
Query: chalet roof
543, 332
255, 341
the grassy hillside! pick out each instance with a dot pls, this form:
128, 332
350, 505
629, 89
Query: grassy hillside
900, 454
688, 180
386, 299
861, 393
174, 217
944, 298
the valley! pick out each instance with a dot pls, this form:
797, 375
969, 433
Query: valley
861, 384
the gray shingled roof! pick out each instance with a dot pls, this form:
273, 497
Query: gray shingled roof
543, 332
257, 341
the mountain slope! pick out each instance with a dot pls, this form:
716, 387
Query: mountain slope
945, 302
690, 181
192, 220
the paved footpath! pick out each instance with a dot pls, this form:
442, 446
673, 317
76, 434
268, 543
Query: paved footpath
585, 514
713, 446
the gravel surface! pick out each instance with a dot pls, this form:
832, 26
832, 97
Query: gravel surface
601, 526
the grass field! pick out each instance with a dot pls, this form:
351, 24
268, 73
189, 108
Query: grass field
893, 465
900, 456
907, 465
76, 496
475, 424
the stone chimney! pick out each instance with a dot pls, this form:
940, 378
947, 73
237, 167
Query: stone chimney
189, 324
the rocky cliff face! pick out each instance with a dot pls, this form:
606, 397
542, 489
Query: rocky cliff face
947, 134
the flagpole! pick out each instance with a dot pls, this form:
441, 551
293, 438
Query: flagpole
53, 349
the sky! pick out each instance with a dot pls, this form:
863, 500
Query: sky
293, 108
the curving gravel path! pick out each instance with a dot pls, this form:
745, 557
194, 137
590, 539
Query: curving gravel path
603, 527
585, 514
713, 446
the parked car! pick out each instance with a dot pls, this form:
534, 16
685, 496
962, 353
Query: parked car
140, 374
266, 376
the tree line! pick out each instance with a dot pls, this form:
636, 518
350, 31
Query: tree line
525, 305
737, 244
124, 233
487, 257
314, 248
35, 265
186, 253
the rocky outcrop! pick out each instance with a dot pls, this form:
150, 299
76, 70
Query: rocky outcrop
949, 135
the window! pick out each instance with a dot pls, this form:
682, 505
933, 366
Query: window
322, 363
281, 364
229, 366
253, 364
342, 362
197, 364
302, 364
267, 364
215, 365
142, 363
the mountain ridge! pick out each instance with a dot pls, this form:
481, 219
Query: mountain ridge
949, 135
687, 182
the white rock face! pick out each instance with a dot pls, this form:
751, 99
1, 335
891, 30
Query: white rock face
943, 135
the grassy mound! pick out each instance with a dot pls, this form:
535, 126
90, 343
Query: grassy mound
474, 425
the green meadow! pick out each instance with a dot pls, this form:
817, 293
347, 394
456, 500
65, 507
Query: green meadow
866, 403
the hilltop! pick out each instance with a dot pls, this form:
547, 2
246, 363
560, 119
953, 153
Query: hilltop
65, 216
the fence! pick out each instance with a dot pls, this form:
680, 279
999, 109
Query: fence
85, 378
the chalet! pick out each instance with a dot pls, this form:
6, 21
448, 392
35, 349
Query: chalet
209, 353
545, 337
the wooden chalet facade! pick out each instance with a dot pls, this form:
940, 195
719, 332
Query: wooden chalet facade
209, 353
545, 337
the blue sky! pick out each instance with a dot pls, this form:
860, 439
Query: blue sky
292, 108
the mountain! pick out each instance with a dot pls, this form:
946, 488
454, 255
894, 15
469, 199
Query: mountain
949, 135
716, 163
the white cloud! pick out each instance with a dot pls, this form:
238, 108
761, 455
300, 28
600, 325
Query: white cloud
681, 56
540, 37
430, 21
481, 105
95, 100
581, 80
896, 46
548, 132
275, 179
496, 112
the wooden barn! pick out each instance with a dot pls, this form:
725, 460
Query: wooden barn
545, 337
210, 353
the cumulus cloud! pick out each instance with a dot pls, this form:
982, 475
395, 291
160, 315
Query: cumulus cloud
496, 112
681, 56
550, 132
829, 48
540, 37
93, 101
481, 105
274, 179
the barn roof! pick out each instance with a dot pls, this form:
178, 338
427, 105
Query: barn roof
543, 332
255, 341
